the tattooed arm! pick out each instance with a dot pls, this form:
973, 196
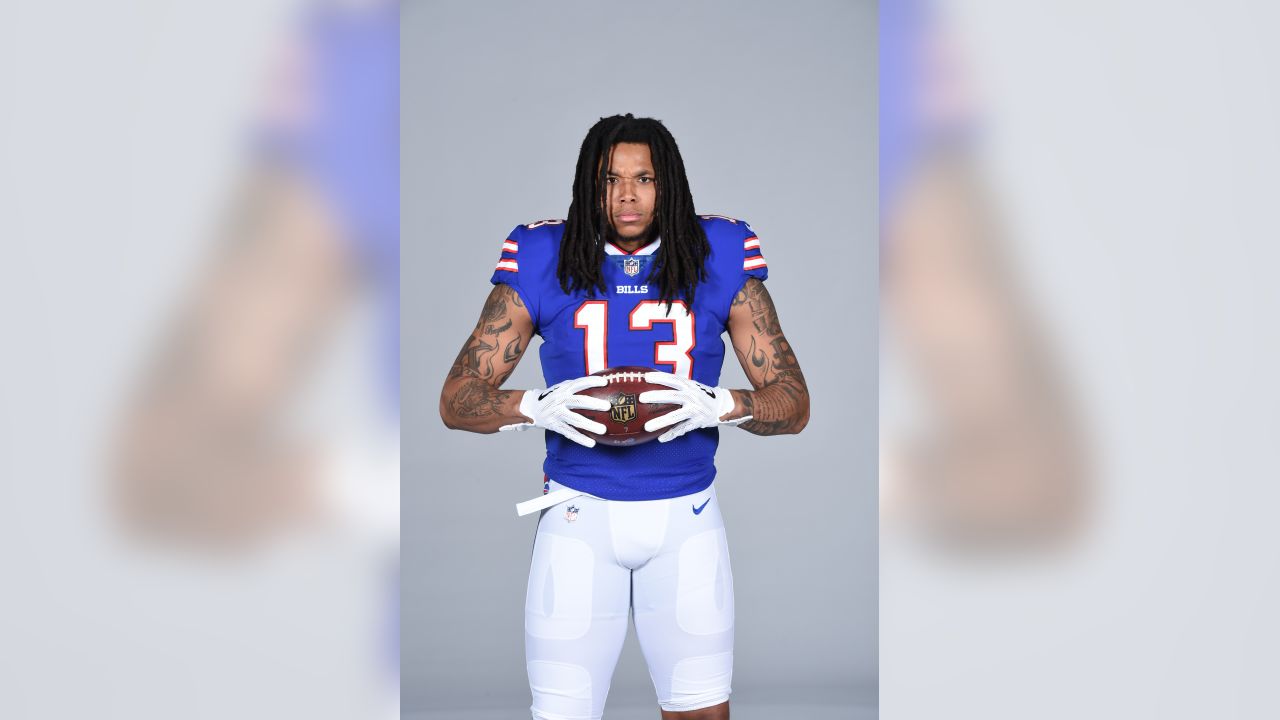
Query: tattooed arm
779, 405
472, 398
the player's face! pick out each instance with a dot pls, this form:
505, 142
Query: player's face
633, 190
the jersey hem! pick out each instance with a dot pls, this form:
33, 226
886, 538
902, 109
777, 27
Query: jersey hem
584, 487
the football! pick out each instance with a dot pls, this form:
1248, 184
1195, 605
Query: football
625, 419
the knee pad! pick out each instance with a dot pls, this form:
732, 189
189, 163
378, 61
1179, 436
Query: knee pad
560, 691
699, 682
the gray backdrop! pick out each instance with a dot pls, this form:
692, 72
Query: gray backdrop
774, 108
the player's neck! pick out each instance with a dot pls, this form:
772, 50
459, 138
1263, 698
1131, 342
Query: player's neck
634, 244
630, 246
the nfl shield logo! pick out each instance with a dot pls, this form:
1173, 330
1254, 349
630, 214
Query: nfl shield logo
571, 513
623, 408
631, 266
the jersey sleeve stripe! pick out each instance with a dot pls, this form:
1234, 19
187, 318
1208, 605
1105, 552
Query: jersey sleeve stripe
505, 264
510, 246
751, 243
753, 263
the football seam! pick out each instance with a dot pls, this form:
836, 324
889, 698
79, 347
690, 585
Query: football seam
624, 376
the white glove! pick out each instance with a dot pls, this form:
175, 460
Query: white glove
700, 406
553, 409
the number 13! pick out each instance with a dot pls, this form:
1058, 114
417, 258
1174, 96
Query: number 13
592, 317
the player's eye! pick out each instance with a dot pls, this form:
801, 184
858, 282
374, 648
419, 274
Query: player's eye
611, 180
644, 179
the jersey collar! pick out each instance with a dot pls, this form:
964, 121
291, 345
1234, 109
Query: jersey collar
651, 248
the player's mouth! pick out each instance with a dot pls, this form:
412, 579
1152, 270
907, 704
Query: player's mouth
629, 217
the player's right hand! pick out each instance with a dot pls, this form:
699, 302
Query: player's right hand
553, 409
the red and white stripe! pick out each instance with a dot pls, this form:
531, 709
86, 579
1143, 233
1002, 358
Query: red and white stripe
505, 264
510, 246
754, 263
751, 243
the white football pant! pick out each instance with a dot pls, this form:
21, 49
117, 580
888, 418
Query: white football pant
595, 561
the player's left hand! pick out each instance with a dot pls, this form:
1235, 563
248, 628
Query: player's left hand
701, 406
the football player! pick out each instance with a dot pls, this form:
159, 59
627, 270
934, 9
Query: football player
633, 276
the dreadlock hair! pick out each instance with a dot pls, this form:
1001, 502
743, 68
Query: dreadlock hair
680, 262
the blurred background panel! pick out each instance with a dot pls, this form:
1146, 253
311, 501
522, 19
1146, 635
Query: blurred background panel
1077, 386
200, 285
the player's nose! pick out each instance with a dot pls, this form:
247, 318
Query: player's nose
626, 191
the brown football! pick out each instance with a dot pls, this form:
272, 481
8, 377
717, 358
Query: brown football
624, 421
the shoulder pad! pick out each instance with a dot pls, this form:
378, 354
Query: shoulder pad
539, 223
725, 218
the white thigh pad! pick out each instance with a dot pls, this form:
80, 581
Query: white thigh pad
559, 598
704, 591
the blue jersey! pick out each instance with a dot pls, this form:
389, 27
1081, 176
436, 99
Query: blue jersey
628, 325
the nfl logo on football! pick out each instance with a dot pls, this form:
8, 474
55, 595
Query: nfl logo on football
623, 408
631, 266
571, 514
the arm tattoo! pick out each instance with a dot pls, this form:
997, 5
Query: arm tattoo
495, 307
477, 357
763, 367
491, 330
783, 357
758, 359
764, 317
780, 402
513, 351
779, 408
487, 359
477, 399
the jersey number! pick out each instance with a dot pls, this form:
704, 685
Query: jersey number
592, 317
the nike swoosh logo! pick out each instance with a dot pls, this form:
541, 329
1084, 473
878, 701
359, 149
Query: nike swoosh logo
697, 510
544, 394
709, 393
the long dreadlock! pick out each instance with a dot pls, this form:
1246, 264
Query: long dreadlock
680, 262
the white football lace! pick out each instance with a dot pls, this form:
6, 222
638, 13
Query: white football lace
624, 376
